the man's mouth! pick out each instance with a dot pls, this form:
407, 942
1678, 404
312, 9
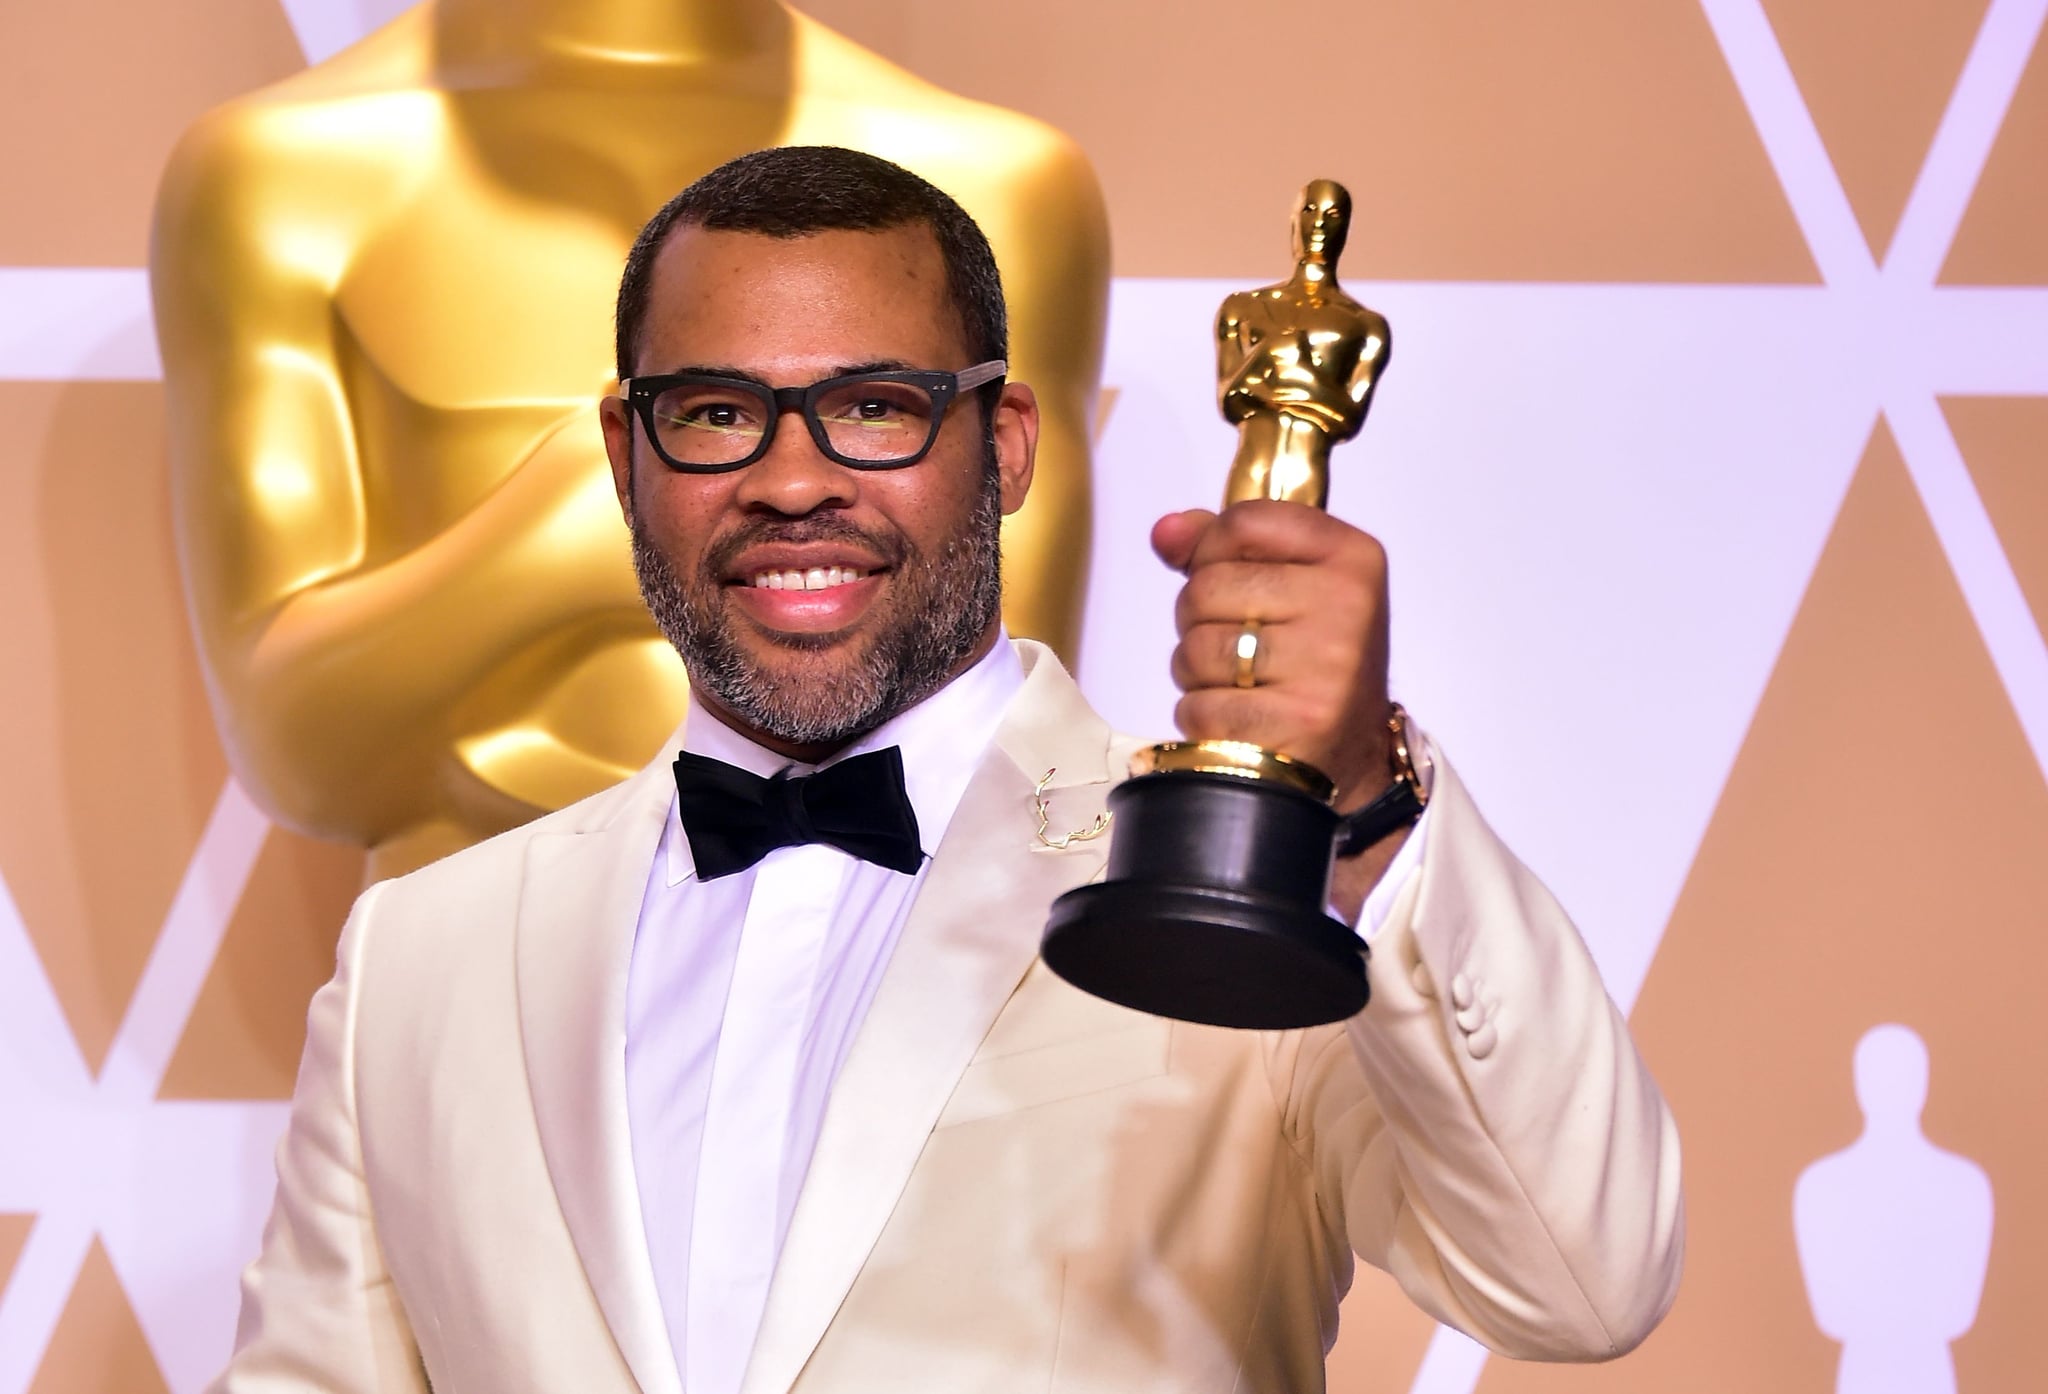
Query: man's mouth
785, 596
816, 578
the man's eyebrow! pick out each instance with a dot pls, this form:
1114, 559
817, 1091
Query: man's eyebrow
716, 370
842, 370
880, 365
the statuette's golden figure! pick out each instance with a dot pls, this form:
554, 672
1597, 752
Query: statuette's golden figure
1296, 362
384, 291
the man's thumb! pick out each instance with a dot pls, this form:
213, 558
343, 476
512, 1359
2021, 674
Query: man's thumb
1174, 536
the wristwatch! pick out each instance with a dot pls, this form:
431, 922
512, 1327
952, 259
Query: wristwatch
1394, 810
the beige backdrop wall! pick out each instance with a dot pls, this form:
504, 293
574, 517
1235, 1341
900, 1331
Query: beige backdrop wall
1713, 472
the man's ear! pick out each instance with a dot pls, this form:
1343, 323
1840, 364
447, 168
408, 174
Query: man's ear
1015, 429
616, 420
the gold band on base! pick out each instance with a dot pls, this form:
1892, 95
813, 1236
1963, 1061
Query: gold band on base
1240, 758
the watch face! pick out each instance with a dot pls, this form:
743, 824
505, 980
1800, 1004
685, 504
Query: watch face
1409, 735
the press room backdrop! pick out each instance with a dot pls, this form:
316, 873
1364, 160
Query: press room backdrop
1712, 467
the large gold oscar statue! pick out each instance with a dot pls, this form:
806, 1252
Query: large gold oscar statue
383, 291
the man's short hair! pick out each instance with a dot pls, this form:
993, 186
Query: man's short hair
795, 190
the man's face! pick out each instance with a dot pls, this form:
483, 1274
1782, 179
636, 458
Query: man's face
809, 600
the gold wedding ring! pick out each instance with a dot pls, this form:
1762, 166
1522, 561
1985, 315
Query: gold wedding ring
1247, 654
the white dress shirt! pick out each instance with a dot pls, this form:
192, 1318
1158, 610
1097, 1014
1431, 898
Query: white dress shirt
742, 1001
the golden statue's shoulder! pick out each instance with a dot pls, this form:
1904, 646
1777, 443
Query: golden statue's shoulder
352, 112
392, 62
849, 95
831, 69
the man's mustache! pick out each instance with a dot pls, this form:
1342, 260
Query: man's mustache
720, 556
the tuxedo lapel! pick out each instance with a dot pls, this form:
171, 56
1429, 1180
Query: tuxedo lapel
970, 939
578, 906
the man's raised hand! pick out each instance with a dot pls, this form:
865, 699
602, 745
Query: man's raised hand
1318, 589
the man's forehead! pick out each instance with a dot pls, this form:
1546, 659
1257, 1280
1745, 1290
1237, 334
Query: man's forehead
839, 285
708, 259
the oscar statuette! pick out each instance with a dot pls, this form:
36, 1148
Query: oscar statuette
1213, 906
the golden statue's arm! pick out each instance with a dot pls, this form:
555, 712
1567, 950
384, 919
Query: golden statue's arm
1372, 360
1233, 355
336, 656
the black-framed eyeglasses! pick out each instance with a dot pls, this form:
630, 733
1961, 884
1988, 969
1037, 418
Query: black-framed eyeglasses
703, 423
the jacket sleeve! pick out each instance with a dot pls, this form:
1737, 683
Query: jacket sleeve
1485, 1129
319, 1311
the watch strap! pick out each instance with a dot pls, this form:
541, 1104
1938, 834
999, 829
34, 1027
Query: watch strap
1397, 808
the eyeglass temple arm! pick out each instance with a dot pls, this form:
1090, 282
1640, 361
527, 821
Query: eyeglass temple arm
982, 372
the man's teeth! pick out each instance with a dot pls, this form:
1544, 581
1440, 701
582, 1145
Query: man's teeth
816, 579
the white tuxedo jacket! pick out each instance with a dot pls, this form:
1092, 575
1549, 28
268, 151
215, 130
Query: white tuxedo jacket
1017, 1186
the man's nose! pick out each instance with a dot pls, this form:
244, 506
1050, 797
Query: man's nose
794, 477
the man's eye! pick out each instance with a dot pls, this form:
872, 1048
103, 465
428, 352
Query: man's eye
880, 407
873, 409
707, 416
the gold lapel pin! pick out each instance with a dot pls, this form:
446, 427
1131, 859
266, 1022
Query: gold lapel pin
1063, 842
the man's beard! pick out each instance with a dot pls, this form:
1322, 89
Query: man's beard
940, 608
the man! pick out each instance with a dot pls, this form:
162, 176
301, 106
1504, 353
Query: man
672, 1090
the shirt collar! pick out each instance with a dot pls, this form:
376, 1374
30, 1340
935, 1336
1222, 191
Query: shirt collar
942, 738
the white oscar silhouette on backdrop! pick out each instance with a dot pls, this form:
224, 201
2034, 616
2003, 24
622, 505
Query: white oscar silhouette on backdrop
1894, 1233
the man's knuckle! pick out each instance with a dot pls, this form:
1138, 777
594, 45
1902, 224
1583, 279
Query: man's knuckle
1366, 555
1202, 589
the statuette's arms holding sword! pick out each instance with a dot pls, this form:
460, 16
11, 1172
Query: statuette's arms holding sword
1296, 362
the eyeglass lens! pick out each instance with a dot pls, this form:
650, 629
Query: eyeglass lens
703, 423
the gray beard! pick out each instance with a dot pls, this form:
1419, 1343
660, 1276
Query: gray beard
942, 607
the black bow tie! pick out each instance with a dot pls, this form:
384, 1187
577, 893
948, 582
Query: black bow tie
733, 818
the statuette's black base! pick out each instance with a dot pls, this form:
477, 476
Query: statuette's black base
1213, 908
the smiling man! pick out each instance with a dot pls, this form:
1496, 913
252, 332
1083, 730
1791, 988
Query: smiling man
822, 578
744, 1077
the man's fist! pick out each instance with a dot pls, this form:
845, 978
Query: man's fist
1318, 588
